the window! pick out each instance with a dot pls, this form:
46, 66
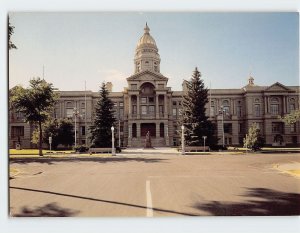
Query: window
274, 109
121, 128
143, 100
226, 110
151, 109
17, 131
174, 111
239, 111
212, 110
83, 130
228, 128
293, 128
174, 103
161, 109
155, 69
144, 110
257, 110
134, 130
134, 109
69, 112
225, 103
133, 86
121, 104
240, 127
121, 113
151, 99
292, 107
277, 127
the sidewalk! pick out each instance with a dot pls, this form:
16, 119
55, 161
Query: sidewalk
289, 168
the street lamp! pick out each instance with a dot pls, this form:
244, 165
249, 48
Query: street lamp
204, 137
113, 151
76, 114
119, 134
182, 140
222, 111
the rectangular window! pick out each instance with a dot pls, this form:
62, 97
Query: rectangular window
161, 109
121, 113
83, 130
239, 111
133, 109
212, 110
151, 109
17, 131
226, 109
274, 109
174, 103
121, 104
292, 107
257, 110
151, 99
180, 111
143, 100
228, 128
69, 112
121, 128
174, 111
277, 127
240, 127
144, 110
293, 128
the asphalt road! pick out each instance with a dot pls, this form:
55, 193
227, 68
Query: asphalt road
155, 185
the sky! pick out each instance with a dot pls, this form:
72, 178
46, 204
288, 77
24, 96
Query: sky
96, 47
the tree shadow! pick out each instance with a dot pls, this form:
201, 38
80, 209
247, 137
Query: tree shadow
98, 200
268, 202
49, 210
50, 161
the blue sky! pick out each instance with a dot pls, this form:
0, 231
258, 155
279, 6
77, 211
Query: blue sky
226, 47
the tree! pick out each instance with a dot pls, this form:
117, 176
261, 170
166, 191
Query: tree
104, 119
193, 117
61, 132
254, 140
291, 118
36, 103
10, 32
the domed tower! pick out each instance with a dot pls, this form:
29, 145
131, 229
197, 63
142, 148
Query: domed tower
146, 53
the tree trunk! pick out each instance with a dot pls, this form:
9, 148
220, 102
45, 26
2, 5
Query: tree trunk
40, 139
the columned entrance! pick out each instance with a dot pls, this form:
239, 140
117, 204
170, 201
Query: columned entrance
145, 127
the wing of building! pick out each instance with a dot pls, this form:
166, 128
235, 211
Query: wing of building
148, 104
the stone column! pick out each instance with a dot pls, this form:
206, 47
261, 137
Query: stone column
156, 107
129, 107
138, 106
165, 107
167, 134
283, 104
266, 107
157, 130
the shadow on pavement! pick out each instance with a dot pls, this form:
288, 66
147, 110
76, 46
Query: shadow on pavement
98, 200
49, 210
50, 161
271, 203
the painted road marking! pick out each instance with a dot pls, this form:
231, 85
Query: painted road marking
149, 200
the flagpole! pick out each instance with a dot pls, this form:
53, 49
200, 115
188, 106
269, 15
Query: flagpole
86, 142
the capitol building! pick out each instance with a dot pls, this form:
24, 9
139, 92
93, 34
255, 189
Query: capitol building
149, 104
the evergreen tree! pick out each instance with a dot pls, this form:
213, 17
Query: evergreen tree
193, 118
103, 120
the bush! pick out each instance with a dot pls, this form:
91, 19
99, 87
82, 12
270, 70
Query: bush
217, 147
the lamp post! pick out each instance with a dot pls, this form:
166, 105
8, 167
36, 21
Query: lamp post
182, 140
113, 151
75, 113
204, 137
222, 111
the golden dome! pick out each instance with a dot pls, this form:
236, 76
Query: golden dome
146, 40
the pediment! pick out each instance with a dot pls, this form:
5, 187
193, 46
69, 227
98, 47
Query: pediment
147, 76
277, 87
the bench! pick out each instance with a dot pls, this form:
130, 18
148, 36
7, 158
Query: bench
195, 148
99, 150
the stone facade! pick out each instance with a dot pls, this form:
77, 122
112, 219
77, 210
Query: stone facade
148, 104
